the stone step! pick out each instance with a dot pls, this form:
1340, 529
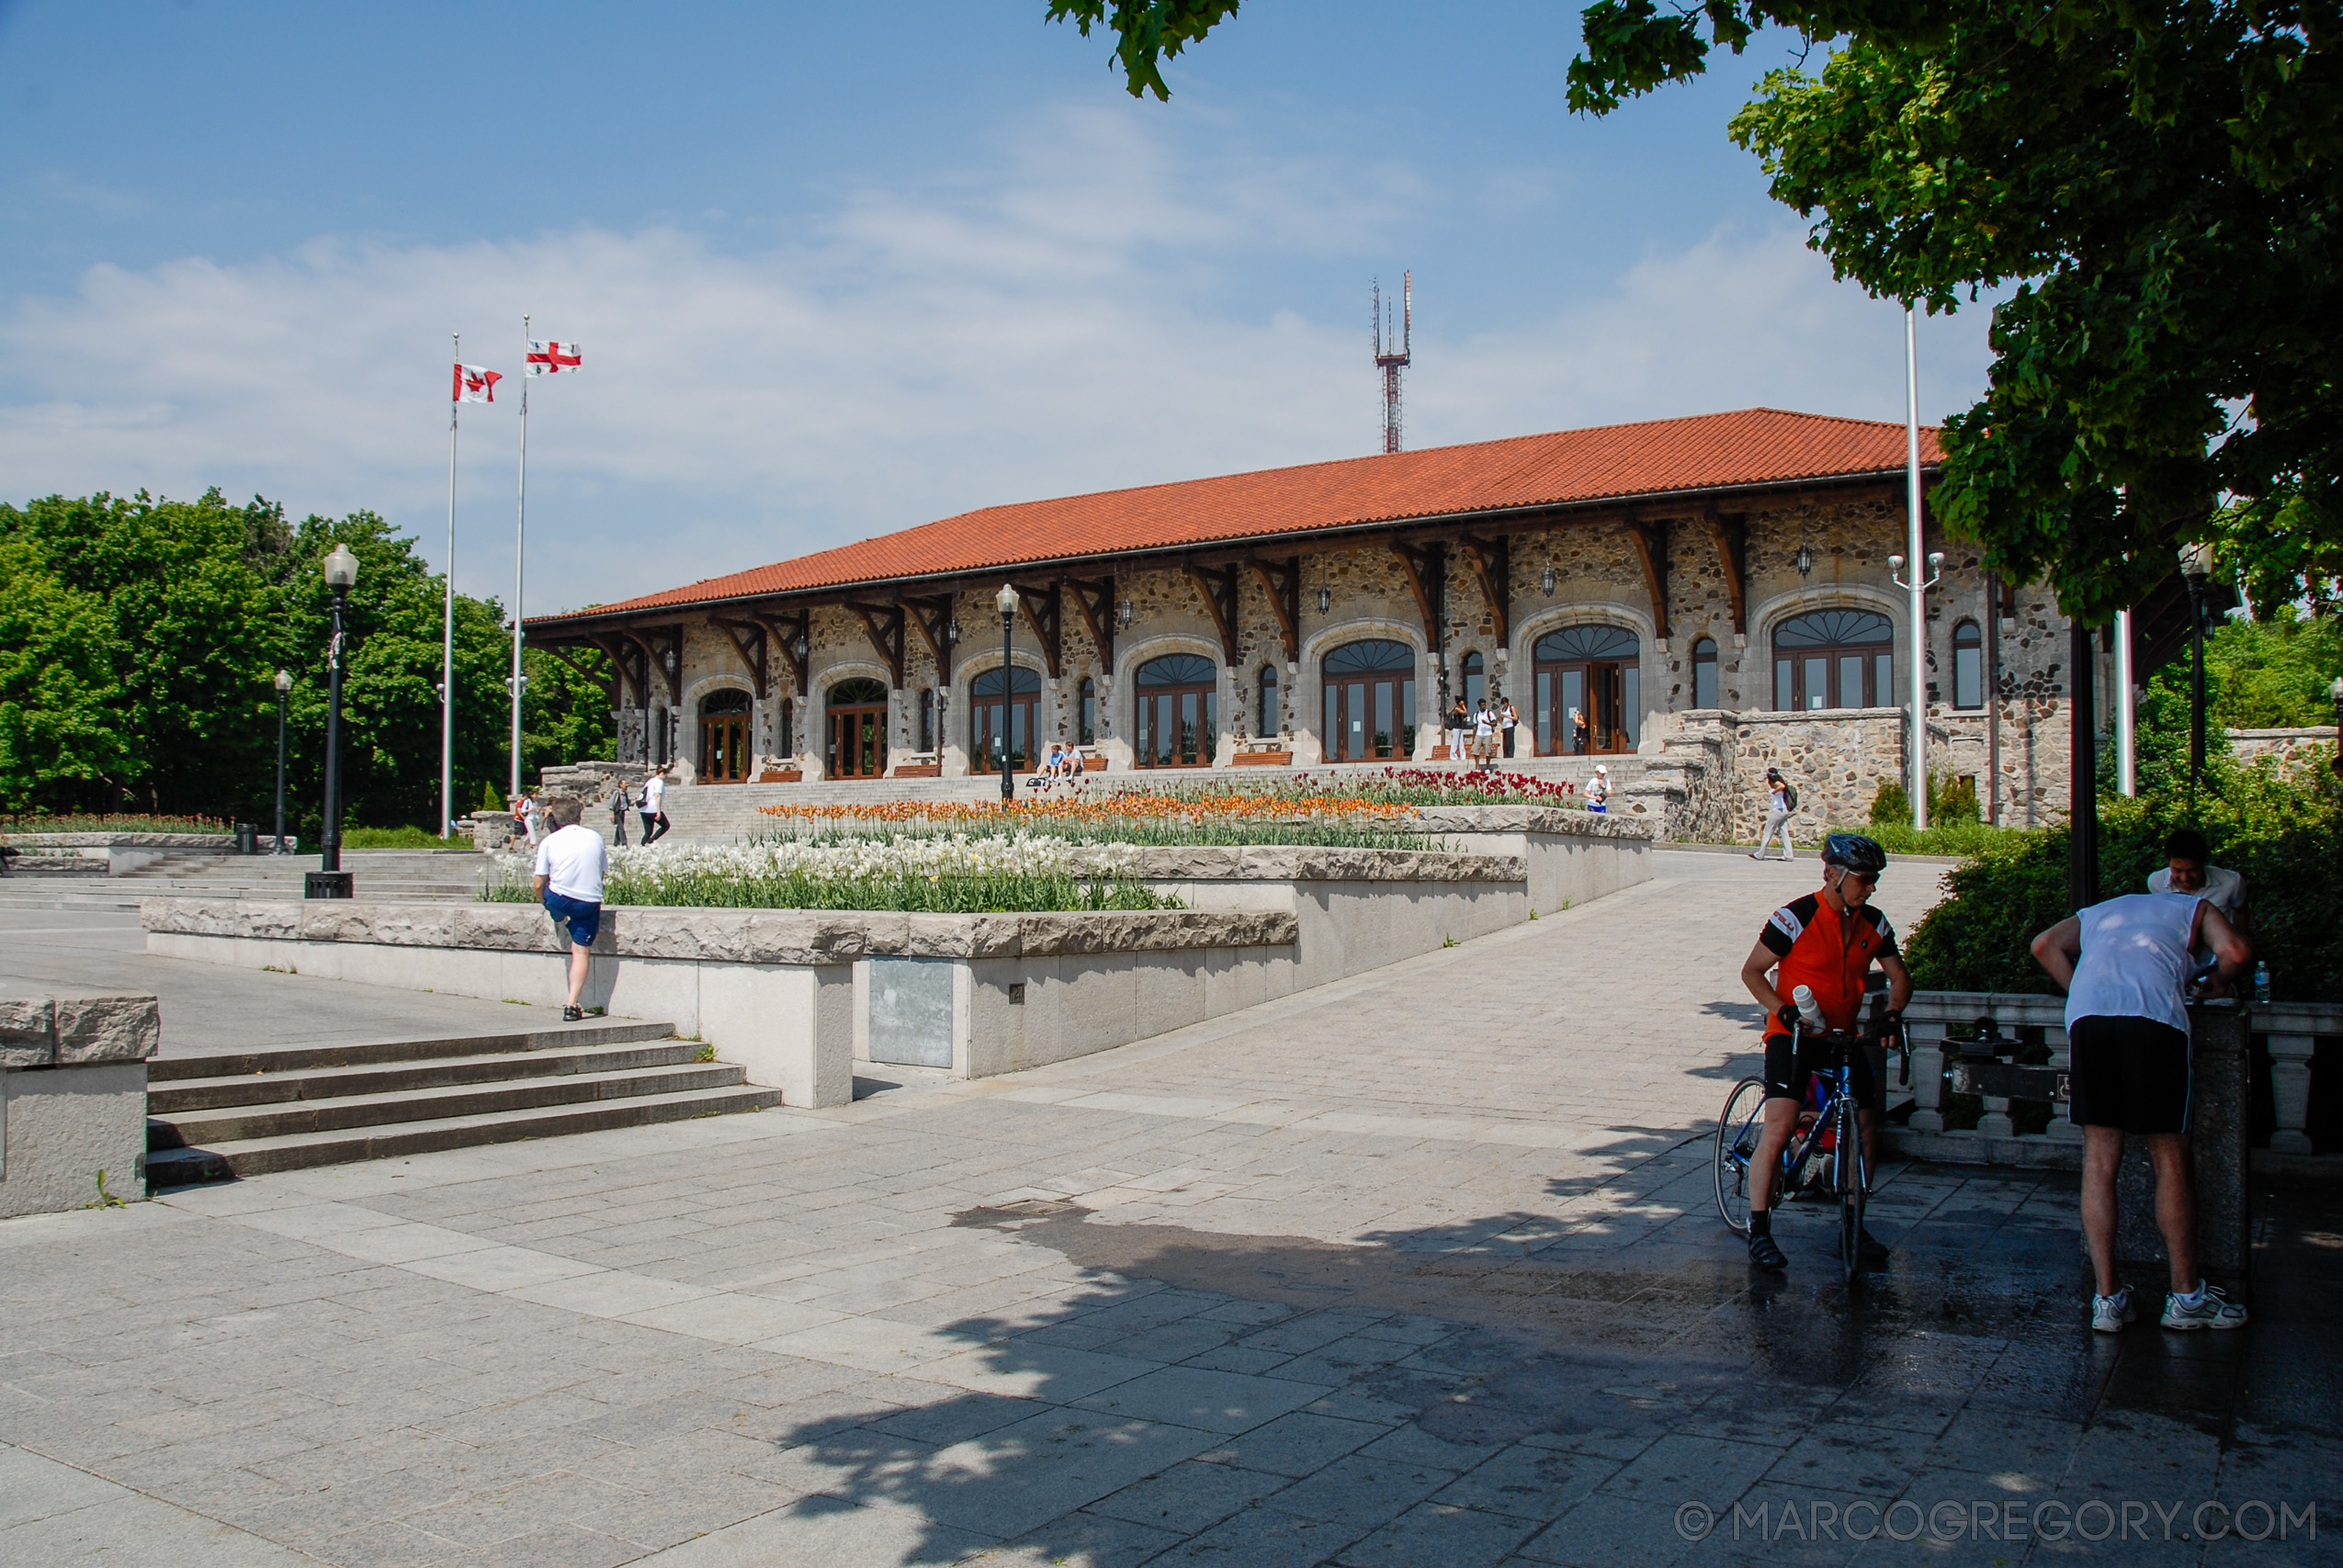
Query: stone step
176, 1096
408, 1103
294, 1151
309, 1058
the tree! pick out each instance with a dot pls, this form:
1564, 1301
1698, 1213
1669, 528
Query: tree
2158, 178
56, 687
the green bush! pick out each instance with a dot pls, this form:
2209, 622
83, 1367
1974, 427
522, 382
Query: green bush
398, 839
1956, 837
1001, 892
490, 798
2278, 831
1953, 800
1892, 804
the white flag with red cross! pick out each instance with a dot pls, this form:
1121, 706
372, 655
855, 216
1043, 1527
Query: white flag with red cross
554, 358
476, 383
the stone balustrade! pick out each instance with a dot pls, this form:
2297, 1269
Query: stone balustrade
2291, 1032
72, 1097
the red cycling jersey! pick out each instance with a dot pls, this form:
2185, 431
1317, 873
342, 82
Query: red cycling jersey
1826, 952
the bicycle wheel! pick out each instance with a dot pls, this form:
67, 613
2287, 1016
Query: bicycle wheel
1849, 1178
1737, 1140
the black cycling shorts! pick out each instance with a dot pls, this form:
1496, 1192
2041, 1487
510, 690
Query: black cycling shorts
1786, 1078
2131, 1073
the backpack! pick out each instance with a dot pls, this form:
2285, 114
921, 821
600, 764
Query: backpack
1788, 794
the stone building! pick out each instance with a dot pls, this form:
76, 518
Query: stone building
1686, 601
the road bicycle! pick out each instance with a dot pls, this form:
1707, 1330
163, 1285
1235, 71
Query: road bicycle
1824, 1155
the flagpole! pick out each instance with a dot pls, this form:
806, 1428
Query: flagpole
520, 534
447, 626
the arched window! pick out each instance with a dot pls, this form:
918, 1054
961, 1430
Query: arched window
1704, 673
1086, 732
1178, 701
1969, 666
857, 725
788, 747
927, 718
1834, 659
1370, 701
724, 738
995, 706
1589, 690
1476, 678
1268, 700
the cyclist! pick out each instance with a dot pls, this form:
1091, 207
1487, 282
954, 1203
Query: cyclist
1826, 941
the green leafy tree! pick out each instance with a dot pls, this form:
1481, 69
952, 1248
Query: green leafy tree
2160, 182
57, 737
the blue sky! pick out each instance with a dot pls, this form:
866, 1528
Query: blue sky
843, 269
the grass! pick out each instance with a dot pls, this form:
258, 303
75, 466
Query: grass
400, 839
110, 823
1960, 838
1003, 893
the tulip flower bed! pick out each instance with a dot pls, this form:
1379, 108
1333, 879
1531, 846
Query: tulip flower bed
953, 874
1349, 811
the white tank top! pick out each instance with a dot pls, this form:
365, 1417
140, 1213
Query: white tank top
2135, 959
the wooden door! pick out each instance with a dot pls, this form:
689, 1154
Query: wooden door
857, 742
724, 748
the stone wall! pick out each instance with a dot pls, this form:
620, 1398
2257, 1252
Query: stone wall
2293, 751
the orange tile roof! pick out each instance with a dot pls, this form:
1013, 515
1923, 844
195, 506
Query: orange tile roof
1707, 452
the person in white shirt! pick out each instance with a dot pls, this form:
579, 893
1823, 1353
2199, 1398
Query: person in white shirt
532, 817
654, 805
571, 866
1598, 789
1508, 716
2126, 967
1778, 807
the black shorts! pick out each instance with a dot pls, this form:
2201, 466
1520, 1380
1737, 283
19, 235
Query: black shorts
2131, 1073
1786, 1080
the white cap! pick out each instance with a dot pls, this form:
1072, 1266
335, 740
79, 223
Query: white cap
1602, 768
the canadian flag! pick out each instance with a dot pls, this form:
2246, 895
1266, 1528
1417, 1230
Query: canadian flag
554, 358
476, 383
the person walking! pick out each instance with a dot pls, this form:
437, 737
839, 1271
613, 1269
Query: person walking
2125, 964
620, 804
1780, 801
654, 807
1460, 721
1507, 717
571, 866
531, 815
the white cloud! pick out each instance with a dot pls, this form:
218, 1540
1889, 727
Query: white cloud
913, 355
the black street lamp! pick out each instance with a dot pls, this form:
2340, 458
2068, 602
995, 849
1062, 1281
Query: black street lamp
330, 881
2196, 565
2335, 691
1006, 602
284, 684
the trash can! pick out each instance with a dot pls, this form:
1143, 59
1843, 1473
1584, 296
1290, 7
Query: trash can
248, 838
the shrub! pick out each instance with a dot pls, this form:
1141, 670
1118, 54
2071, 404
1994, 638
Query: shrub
1953, 800
1892, 804
490, 800
2276, 832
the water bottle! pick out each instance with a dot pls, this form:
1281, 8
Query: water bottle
2261, 985
1808, 1009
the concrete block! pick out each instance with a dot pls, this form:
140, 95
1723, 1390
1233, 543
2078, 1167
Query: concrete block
95, 1027
27, 1031
64, 1125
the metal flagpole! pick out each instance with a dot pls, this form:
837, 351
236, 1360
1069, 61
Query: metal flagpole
447, 627
1913, 553
520, 536
2126, 756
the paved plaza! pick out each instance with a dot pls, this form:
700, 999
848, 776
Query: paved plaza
1418, 1269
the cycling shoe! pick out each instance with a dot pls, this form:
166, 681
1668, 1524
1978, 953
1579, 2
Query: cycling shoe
1766, 1253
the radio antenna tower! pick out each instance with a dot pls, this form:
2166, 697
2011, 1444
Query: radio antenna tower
1400, 339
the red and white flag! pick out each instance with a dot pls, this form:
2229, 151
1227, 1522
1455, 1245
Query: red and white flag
476, 383
554, 358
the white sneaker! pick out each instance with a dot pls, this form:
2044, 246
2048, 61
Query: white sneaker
2214, 1311
2109, 1314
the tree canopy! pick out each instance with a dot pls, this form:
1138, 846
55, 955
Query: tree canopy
140, 637
2158, 178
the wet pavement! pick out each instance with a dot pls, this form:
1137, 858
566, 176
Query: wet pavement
1419, 1269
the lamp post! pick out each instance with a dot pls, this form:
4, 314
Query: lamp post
330, 881
284, 684
2196, 565
1006, 602
1918, 590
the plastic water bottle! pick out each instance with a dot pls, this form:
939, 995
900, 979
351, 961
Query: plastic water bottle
2261, 985
1808, 1009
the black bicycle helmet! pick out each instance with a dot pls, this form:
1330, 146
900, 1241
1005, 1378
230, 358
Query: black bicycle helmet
1854, 852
